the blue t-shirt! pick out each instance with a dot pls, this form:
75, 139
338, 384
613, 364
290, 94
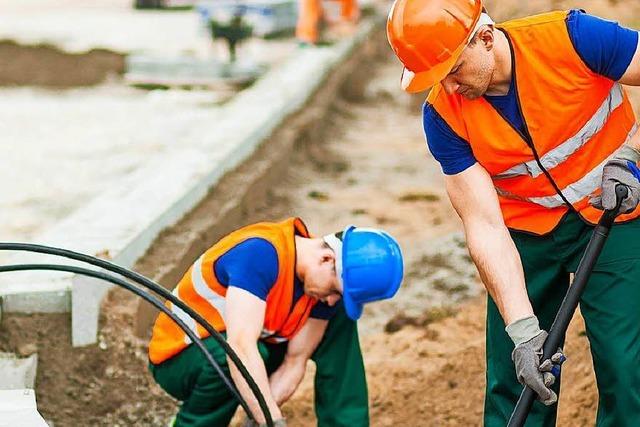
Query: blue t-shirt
604, 46
253, 266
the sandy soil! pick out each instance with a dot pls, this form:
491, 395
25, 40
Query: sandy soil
434, 375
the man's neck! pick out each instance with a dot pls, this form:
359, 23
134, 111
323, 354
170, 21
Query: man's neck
301, 262
501, 78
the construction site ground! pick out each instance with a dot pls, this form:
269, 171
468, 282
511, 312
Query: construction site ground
424, 350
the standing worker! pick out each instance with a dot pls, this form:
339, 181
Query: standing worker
310, 14
533, 131
275, 292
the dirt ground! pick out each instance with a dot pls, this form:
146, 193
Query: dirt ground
424, 350
48, 66
434, 375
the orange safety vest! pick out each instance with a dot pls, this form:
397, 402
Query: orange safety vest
201, 290
575, 120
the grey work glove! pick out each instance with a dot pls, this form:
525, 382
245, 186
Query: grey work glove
621, 169
282, 422
529, 339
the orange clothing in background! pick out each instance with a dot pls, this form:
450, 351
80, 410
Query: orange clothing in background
310, 12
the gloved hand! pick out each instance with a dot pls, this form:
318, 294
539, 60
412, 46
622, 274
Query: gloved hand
620, 169
529, 339
282, 422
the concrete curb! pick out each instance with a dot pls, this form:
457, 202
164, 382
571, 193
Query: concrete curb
18, 373
18, 407
123, 222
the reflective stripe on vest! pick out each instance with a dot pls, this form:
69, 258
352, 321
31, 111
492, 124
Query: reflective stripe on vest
204, 291
562, 152
188, 320
200, 286
575, 192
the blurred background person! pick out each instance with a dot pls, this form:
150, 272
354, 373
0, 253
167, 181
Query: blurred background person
311, 13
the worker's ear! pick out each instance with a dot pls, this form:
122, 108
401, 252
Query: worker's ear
328, 255
485, 36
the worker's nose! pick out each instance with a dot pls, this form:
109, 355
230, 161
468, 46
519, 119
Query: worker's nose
450, 86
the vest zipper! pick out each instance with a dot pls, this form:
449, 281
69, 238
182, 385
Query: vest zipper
526, 136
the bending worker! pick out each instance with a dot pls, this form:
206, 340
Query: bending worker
533, 130
281, 297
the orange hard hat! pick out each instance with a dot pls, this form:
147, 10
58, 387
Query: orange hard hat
428, 36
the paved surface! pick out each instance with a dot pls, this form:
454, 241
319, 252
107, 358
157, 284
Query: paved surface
65, 148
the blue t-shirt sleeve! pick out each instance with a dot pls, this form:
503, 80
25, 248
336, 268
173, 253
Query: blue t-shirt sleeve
322, 311
605, 47
251, 265
452, 152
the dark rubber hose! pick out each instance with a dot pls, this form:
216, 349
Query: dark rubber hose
148, 283
144, 295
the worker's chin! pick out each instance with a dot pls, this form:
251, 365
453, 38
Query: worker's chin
472, 94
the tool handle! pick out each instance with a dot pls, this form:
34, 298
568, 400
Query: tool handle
570, 302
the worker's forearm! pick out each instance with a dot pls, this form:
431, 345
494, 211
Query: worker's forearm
498, 262
250, 357
286, 379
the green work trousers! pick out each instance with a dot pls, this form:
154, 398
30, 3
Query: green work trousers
610, 306
340, 384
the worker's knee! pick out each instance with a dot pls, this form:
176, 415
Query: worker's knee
618, 372
619, 394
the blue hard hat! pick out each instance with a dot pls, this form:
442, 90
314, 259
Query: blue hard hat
371, 268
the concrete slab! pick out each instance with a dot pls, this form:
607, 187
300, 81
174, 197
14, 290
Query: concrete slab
86, 297
18, 408
17, 373
187, 71
52, 296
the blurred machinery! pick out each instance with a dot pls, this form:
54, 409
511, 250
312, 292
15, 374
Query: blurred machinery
227, 21
233, 30
267, 18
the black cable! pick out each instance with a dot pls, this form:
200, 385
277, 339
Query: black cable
143, 294
148, 283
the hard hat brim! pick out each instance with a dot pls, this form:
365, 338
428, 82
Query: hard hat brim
353, 309
419, 82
